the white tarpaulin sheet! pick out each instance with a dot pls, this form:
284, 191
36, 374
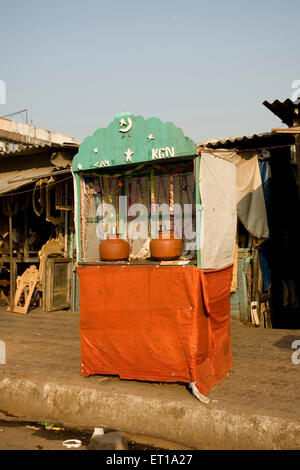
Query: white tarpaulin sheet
230, 186
219, 214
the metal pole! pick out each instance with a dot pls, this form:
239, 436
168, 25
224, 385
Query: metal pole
17, 112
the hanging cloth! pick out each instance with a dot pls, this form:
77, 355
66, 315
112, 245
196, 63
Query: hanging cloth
251, 205
219, 215
265, 247
230, 183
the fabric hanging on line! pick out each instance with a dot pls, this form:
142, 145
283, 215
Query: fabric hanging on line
264, 248
226, 192
219, 216
251, 205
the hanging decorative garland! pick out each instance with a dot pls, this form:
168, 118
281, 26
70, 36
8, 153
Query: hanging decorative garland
152, 197
171, 199
38, 197
49, 217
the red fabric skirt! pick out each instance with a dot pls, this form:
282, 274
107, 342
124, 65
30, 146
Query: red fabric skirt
156, 323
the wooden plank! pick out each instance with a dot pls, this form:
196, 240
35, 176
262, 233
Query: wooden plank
24, 309
136, 263
25, 286
234, 282
58, 290
288, 130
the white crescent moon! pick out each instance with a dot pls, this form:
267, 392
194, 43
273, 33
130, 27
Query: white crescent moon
126, 129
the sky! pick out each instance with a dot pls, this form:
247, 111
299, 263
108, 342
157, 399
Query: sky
206, 66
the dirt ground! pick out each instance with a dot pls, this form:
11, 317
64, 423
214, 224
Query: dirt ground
19, 435
263, 380
34, 436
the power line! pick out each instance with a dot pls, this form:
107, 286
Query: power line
17, 112
32, 189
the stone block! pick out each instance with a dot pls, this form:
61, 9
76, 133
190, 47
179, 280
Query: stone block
109, 441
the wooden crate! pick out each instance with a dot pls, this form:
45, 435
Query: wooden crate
58, 284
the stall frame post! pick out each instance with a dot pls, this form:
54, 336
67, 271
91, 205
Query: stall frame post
198, 210
77, 213
122, 228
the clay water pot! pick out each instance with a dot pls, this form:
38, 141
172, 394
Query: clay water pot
166, 247
114, 248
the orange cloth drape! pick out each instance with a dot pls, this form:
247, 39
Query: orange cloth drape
156, 323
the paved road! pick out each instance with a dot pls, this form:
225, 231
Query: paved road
44, 347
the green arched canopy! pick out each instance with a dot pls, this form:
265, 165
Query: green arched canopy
132, 139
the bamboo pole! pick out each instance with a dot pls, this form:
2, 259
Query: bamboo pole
12, 270
66, 221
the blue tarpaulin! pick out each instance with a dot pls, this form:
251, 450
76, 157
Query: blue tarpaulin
264, 249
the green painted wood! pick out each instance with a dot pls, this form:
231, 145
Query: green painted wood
131, 139
78, 215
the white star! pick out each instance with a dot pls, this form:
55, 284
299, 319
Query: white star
128, 155
122, 122
150, 137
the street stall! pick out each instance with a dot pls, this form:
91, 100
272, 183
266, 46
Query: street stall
36, 228
155, 239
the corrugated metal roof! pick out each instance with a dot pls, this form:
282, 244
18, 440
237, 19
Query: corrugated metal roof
286, 110
11, 180
35, 149
255, 141
17, 171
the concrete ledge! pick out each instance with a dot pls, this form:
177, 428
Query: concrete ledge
192, 424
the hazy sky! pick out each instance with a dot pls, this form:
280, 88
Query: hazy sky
206, 66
